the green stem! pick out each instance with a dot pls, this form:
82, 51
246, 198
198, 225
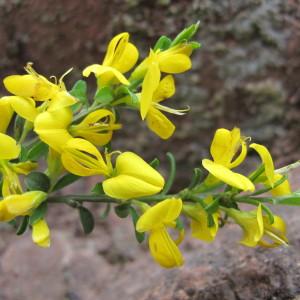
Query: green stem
172, 173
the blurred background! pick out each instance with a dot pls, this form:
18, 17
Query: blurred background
246, 74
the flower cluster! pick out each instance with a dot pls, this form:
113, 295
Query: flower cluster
44, 123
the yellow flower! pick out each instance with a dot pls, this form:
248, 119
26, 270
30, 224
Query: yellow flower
9, 150
172, 61
251, 222
224, 148
20, 205
51, 128
32, 87
55, 129
272, 177
82, 158
6, 113
132, 177
41, 233
274, 234
156, 220
153, 92
120, 57
199, 221
97, 127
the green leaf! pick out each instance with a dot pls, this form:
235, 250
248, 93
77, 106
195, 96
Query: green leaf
34, 152
179, 224
37, 181
292, 199
154, 163
172, 173
140, 236
210, 220
98, 189
18, 127
104, 95
122, 211
163, 43
38, 213
86, 219
79, 91
106, 212
198, 176
65, 180
23, 225
186, 34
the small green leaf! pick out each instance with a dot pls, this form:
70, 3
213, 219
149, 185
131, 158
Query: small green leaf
186, 34
122, 210
198, 176
179, 224
292, 199
154, 163
38, 213
34, 152
79, 91
106, 212
163, 43
65, 180
37, 181
98, 189
86, 219
104, 95
140, 236
210, 220
18, 127
172, 173
23, 225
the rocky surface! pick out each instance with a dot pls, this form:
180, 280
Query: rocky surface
109, 264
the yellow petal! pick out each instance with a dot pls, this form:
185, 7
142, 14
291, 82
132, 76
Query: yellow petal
159, 123
24, 167
115, 48
82, 158
96, 127
21, 85
41, 234
6, 113
162, 213
251, 223
52, 127
149, 86
225, 145
266, 160
99, 70
127, 187
61, 100
174, 63
226, 175
23, 204
128, 163
283, 189
199, 223
163, 249
24, 107
274, 234
128, 58
165, 89
5, 216
220, 148
8, 147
